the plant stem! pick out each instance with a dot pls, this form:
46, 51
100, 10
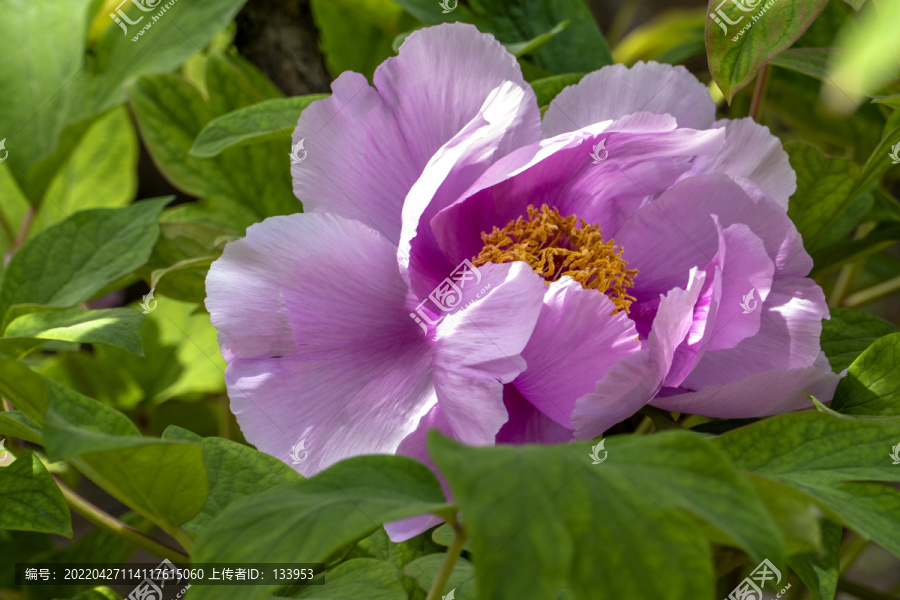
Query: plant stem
645, 426
860, 591
873, 293
23, 229
113, 525
453, 552
759, 92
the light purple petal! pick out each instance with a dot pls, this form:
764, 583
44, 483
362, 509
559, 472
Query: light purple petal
415, 445
450, 172
616, 91
478, 349
366, 148
675, 232
754, 158
634, 381
788, 338
313, 320
762, 394
575, 342
528, 425
646, 156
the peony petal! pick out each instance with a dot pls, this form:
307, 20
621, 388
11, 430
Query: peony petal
754, 158
759, 395
415, 445
616, 91
478, 349
575, 342
450, 172
439, 82
313, 319
528, 425
646, 156
366, 148
675, 233
634, 381
788, 338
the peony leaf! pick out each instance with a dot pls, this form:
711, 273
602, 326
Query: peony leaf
848, 333
742, 35
872, 385
341, 504
543, 518
30, 500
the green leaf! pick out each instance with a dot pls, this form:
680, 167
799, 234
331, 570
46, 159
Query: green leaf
16, 424
737, 53
345, 502
165, 481
823, 186
24, 389
462, 579
349, 40
358, 578
580, 48
872, 385
809, 61
820, 571
252, 124
42, 42
88, 251
119, 327
836, 462
181, 350
235, 472
519, 49
252, 182
184, 280
98, 593
848, 332
100, 172
548, 88
30, 500
400, 554
795, 513
543, 518
180, 32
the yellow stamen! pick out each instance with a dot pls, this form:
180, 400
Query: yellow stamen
555, 246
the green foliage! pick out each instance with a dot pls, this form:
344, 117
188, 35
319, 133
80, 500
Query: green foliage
738, 54
163, 480
235, 471
872, 386
833, 461
341, 504
128, 396
30, 500
90, 250
551, 509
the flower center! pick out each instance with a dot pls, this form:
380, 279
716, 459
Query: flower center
555, 246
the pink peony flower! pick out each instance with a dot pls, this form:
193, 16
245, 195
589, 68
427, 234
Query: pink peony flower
464, 265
